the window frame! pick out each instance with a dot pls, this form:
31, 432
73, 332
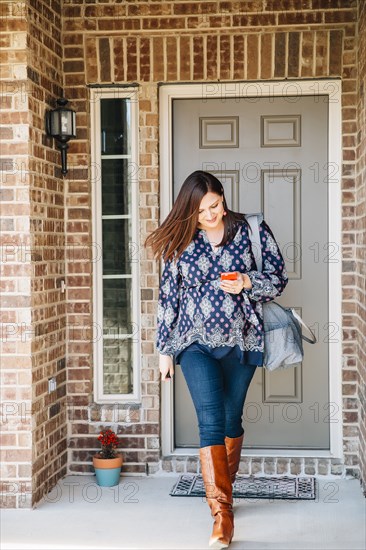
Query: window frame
97, 94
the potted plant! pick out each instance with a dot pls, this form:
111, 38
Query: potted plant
108, 463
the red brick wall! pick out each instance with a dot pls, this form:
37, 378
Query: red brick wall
32, 265
360, 222
47, 218
146, 43
156, 42
15, 264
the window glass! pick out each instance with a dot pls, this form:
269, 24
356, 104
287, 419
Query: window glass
115, 126
116, 284
116, 189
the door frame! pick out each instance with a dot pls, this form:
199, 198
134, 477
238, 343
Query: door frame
222, 90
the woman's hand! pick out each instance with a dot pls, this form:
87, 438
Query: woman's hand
235, 287
166, 366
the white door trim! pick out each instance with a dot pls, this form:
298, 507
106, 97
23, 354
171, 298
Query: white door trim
217, 90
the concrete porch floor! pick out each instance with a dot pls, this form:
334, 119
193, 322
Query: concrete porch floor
140, 513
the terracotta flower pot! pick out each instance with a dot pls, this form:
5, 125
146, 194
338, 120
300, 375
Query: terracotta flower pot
107, 470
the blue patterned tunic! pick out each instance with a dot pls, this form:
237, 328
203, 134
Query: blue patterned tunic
193, 308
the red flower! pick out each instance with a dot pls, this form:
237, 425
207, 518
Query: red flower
109, 441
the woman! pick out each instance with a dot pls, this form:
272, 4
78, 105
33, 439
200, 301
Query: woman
212, 327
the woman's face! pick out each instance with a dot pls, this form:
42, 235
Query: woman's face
211, 211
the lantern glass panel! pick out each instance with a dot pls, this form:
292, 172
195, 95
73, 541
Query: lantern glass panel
73, 121
65, 120
55, 123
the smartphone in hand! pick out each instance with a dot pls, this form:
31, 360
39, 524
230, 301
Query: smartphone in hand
229, 276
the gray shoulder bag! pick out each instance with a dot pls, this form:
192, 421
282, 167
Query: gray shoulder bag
282, 326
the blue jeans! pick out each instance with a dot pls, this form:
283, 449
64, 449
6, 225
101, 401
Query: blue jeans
218, 384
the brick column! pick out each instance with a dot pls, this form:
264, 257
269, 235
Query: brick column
15, 265
32, 265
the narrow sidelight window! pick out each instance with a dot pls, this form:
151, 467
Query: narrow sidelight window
115, 244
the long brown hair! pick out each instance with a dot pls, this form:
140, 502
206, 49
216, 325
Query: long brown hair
178, 229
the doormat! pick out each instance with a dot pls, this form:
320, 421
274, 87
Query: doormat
295, 488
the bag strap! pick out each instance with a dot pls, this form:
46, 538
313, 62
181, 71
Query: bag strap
297, 316
253, 220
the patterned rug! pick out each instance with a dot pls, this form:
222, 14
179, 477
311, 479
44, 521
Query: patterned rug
285, 487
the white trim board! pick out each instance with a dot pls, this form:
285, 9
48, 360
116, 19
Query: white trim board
218, 90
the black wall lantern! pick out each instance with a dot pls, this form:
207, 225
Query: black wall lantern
61, 125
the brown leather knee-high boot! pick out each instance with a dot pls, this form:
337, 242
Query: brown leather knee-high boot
216, 477
233, 448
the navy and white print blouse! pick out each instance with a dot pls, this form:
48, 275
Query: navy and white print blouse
193, 308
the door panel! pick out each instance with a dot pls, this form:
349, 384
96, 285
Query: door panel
271, 156
281, 192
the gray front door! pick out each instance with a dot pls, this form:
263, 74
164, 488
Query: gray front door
271, 156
